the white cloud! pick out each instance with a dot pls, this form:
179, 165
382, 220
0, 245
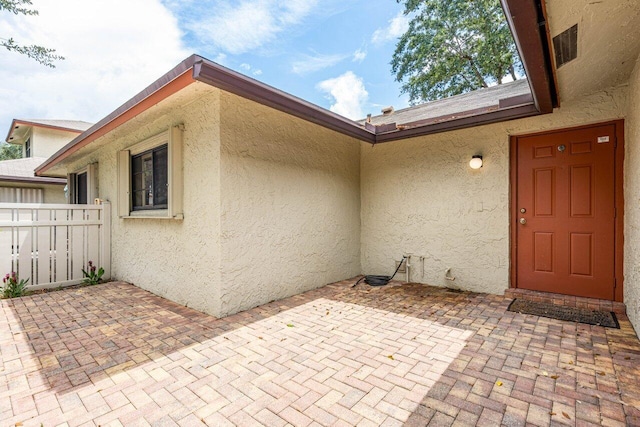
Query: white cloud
111, 54
396, 28
247, 68
359, 55
309, 64
347, 93
239, 27
220, 58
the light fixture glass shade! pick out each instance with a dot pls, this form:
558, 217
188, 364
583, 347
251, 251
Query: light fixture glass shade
475, 162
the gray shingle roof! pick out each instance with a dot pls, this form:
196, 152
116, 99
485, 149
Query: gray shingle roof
68, 124
482, 98
21, 167
22, 170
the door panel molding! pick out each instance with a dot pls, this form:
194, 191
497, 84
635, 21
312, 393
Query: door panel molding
575, 149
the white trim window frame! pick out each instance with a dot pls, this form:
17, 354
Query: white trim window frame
172, 139
28, 151
91, 171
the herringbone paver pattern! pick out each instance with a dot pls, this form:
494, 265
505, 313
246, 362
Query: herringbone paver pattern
114, 354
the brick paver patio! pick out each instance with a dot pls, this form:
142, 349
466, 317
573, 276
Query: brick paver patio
114, 354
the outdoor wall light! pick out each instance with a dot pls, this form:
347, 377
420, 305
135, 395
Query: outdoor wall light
475, 162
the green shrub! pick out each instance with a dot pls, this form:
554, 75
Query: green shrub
13, 287
91, 276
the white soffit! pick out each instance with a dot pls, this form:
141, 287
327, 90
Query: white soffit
608, 43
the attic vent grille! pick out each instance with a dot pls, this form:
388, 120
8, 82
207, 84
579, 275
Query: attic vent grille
565, 45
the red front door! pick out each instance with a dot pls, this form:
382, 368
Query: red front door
565, 212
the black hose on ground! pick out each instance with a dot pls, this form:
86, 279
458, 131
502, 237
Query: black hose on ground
374, 280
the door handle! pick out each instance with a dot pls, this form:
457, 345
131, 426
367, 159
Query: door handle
523, 221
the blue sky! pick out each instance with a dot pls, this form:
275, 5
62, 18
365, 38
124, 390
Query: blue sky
334, 53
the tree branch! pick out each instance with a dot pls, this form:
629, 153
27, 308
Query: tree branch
40, 54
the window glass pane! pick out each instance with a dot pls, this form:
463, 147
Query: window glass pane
149, 179
160, 172
137, 181
138, 197
81, 188
147, 174
136, 164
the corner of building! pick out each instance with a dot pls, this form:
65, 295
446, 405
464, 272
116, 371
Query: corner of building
632, 201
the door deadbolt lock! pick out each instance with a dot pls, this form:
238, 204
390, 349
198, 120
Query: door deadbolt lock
523, 221
523, 210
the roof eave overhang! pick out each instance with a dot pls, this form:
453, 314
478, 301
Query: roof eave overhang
173, 81
238, 84
501, 115
32, 180
527, 20
17, 122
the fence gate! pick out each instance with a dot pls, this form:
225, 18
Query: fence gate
51, 244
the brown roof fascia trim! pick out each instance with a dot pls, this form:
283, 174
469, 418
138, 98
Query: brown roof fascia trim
172, 82
447, 117
462, 123
513, 101
527, 22
33, 180
238, 84
15, 122
551, 58
386, 127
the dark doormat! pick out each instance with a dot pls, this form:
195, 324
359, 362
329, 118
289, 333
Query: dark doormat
572, 314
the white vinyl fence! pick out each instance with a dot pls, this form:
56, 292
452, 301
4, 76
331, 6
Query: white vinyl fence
51, 244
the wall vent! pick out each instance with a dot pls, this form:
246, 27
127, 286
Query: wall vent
565, 46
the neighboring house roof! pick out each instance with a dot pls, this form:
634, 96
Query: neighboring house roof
487, 99
76, 126
529, 32
22, 170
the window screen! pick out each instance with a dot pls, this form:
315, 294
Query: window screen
149, 173
81, 188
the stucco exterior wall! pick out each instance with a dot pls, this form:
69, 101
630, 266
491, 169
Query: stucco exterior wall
45, 142
53, 193
176, 259
632, 202
419, 196
290, 205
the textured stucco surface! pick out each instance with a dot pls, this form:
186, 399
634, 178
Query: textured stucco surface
419, 196
608, 43
271, 205
632, 202
176, 259
52, 193
46, 141
275, 205
290, 205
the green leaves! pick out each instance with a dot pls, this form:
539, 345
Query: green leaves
453, 47
10, 151
13, 287
40, 54
91, 277
16, 7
